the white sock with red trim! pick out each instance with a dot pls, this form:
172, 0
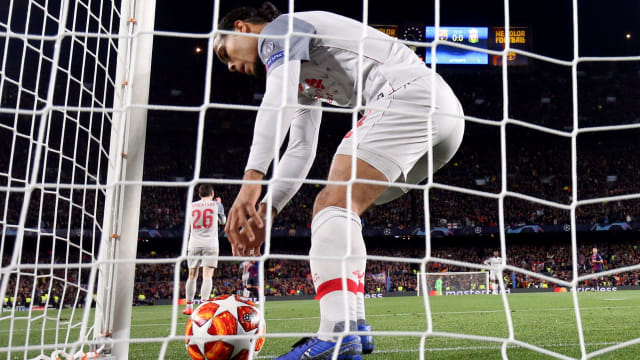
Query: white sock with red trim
331, 230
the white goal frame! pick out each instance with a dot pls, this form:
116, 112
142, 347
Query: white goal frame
106, 334
424, 287
108, 277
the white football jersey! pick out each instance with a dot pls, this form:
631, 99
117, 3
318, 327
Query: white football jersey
330, 64
494, 261
205, 217
325, 62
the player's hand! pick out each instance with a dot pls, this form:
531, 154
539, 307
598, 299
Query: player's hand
243, 221
249, 247
218, 199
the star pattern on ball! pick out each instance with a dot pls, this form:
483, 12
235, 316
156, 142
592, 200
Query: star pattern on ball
200, 335
229, 304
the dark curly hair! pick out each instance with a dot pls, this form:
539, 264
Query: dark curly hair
266, 13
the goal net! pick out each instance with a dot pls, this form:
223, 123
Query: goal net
75, 77
453, 283
68, 110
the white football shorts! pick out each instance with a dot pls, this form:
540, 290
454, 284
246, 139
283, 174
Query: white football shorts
393, 135
202, 257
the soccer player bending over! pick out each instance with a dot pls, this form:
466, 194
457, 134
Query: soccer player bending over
322, 64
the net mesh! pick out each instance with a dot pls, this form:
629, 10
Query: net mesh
57, 90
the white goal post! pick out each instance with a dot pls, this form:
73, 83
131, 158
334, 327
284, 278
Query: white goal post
74, 97
74, 94
454, 283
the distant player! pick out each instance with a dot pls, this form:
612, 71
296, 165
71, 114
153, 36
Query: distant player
597, 264
495, 262
245, 266
407, 112
203, 250
250, 280
438, 286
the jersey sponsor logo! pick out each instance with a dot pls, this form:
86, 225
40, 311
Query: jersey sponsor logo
315, 83
273, 58
316, 89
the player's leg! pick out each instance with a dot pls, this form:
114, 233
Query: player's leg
254, 288
209, 265
245, 281
337, 280
207, 282
401, 152
362, 196
190, 287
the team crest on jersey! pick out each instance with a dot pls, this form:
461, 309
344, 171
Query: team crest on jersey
267, 47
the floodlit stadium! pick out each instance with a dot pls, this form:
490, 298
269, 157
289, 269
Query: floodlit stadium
523, 245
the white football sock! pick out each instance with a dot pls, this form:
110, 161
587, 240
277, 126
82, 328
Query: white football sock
205, 289
360, 313
190, 292
331, 230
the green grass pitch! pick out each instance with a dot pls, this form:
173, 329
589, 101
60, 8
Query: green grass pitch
544, 320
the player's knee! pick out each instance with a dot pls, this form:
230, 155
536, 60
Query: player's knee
362, 196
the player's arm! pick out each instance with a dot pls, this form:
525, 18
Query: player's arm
299, 156
222, 218
269, 132
189, 221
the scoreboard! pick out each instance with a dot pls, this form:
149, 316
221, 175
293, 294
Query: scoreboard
446, 54
480, 37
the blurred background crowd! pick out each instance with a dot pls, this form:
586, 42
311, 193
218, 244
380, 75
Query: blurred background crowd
539, 170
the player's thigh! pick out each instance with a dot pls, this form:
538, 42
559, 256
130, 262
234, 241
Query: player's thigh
358, 196
200, 256
194, 259
394, 136
210, 258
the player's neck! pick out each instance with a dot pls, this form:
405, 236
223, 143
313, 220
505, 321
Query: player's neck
207, 198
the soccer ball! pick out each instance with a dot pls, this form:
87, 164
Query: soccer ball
214, 330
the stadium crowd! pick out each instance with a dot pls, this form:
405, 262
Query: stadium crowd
538, 165
390, 270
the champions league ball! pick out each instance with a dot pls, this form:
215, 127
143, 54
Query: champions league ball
221, 329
